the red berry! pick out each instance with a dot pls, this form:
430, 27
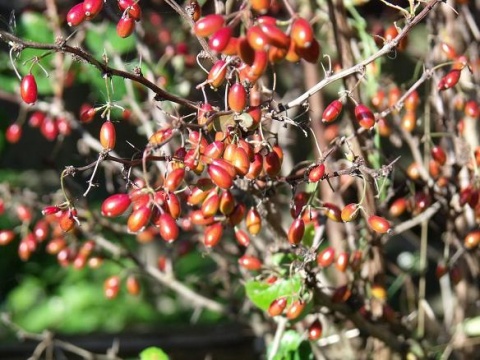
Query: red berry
438, 154
13, 133
256, 38
350, 212
125, 26
296, 231
316, 173
332, 111
174, 179
133, 285
111, 287
398, 207
364, 116
250, 262
237, 97
217, 74
275, 36
220, 176
220, 39
92, 8
213, 234
342, 261
315, 330
311, 53
272, 164
49, 129
76, 15
242, 237
115, 205
168, 227
210, 205
277, 306
302, 33
134, 9
6, 236
28, 89
253, 221
36, 119
208, 25
449, 80
295, 309
108, 136
379, 224
326, 257
138, 219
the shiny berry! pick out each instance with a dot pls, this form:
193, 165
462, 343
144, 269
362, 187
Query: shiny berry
133, 8
208, 25
76, 15
326, 257
125, 26
92, 7
316, 173
237, 97
364, 116
168, 227
296, 231
250, 262
379, 224
302, 33
213, 234
253, 221
13, 133
28, 89
332, 111
277, 306
315, 330
220, 39
108, 135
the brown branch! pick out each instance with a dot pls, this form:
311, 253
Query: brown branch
105, 70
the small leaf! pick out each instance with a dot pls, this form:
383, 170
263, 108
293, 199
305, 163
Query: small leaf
262, 294
153, 353
293, 347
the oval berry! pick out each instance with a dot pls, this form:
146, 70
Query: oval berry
302, 33
28, 89
217, 74
316, 173
133, 285
315, 330
332, 111
295, 309
133, 8
350, 212
6, 236
13, 133
220, 39
213, 234
438, 154
253, 221
260, 6
174, 179
92, 8
76, 15
220, 176
326, 257
272, 164
168, 227
364, 116
237, 97
138, 219
111, 287
449, 80
108, 135
208, 25
242, 237
250, 262
125, 26
296, 231
277, 306
379, 224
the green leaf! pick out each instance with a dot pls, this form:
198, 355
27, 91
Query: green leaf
308, 235
35, 27
153, 353
105, 38
293, 347
262, 294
